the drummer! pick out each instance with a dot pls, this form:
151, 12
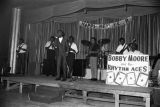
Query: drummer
93, 52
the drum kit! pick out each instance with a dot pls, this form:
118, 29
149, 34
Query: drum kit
102, 54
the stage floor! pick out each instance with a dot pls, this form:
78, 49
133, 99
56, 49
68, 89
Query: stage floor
7, 99
84, 85
80, 83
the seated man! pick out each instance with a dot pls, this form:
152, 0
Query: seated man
133, 49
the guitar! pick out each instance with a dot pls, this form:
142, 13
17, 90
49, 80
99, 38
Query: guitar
126, 47
20, 48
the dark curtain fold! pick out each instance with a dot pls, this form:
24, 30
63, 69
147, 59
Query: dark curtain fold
145, 29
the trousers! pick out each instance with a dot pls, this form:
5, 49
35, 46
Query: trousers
93, 65
70, 60
61, 62
51, 65
21, 63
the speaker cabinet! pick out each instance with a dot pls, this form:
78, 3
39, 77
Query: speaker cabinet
79, 67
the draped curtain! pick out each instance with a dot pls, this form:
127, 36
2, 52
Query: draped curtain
94, 8
145, 29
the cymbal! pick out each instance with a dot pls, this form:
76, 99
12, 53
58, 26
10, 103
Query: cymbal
103, 41
86, 42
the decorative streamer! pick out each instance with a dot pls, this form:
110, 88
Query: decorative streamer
105, 26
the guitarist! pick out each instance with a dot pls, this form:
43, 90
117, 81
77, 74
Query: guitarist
122, 47
21, 57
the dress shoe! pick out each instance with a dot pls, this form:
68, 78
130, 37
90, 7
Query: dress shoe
70, 79
58, 78
63, 79
47, 75
94, 79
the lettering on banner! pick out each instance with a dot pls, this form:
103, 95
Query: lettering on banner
128, 70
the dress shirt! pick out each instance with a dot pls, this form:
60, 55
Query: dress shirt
74, 47
60, 39
120, 47
49, 46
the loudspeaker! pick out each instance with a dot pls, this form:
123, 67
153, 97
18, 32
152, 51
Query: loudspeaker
79, 67
49, 67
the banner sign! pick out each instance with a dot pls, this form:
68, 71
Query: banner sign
105, 26
128, 70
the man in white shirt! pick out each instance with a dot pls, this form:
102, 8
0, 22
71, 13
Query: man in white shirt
72, 50
122, 47
133, 49
51, 55
21, 57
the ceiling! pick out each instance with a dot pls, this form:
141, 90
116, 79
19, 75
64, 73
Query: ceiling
32, 4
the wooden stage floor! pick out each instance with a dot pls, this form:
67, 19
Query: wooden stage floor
85, 86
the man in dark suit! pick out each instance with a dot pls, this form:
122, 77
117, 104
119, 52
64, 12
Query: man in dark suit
61, 43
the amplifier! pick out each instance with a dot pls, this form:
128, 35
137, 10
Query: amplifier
79, 67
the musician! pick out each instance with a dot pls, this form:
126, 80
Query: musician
122, 47
21, 57
51, 56
93, 52
133, 49
61, 43
71, 54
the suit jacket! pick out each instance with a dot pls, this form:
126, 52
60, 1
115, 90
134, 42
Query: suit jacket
61, 47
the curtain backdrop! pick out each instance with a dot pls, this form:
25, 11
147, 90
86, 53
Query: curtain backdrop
145, 29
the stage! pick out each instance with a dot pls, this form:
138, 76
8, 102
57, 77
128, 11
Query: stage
85, 86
